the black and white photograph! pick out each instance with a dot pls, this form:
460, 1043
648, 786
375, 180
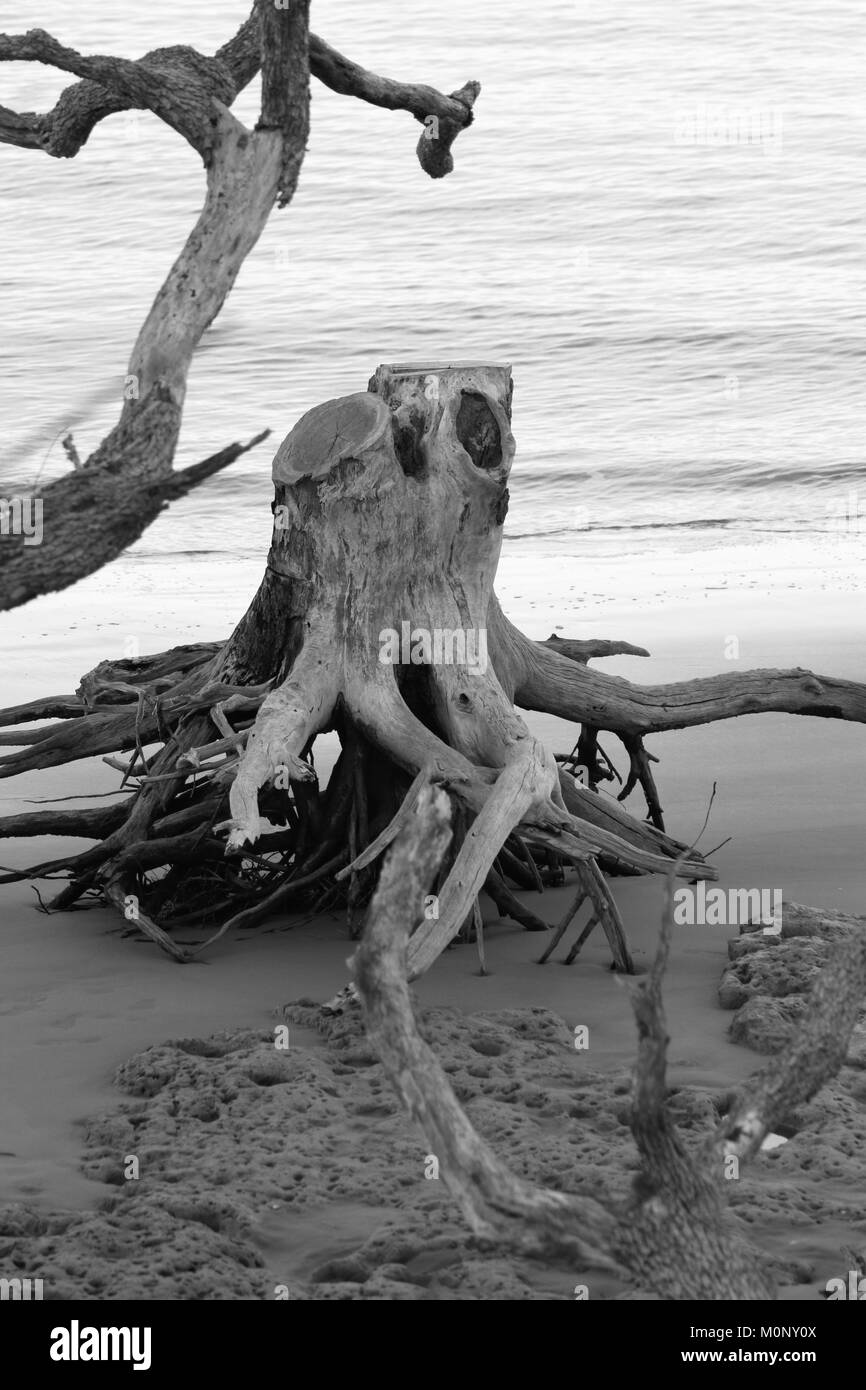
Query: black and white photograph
432, 670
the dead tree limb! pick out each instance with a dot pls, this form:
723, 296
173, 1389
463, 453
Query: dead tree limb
546, 680
89, 516
674, 1235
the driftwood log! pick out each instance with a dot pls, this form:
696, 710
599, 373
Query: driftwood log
376, 617
89, 516
674, 1235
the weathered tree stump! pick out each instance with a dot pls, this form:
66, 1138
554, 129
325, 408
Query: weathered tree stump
376, 617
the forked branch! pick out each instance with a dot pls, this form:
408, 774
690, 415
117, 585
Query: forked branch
674, 1235
178, 83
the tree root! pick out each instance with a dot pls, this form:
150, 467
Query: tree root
673, 1236
511, 906
395, 495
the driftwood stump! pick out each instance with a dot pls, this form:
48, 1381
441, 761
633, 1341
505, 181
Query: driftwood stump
376, 617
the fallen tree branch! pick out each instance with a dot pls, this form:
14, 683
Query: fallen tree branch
285, 48
114, 85
545, 680
177, 84
492, 1199
584, 651
184, 480
450, 114
510, 906
114, 495
112, 506
673, 1236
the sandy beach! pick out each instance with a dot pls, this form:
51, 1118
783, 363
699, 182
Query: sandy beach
80, 999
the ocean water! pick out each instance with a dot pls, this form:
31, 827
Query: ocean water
658, 218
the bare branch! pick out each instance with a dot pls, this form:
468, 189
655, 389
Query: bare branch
584, 651
131, 497
543, 679
443, 117
129, 476
121, 75
26, 130
241, 56
176, 83
286, 85
672, 1236
493, 1200
350, 79
186, 479
650, 1122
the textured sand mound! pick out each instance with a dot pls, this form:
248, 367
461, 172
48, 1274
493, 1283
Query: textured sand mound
770, 975
266, 1172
